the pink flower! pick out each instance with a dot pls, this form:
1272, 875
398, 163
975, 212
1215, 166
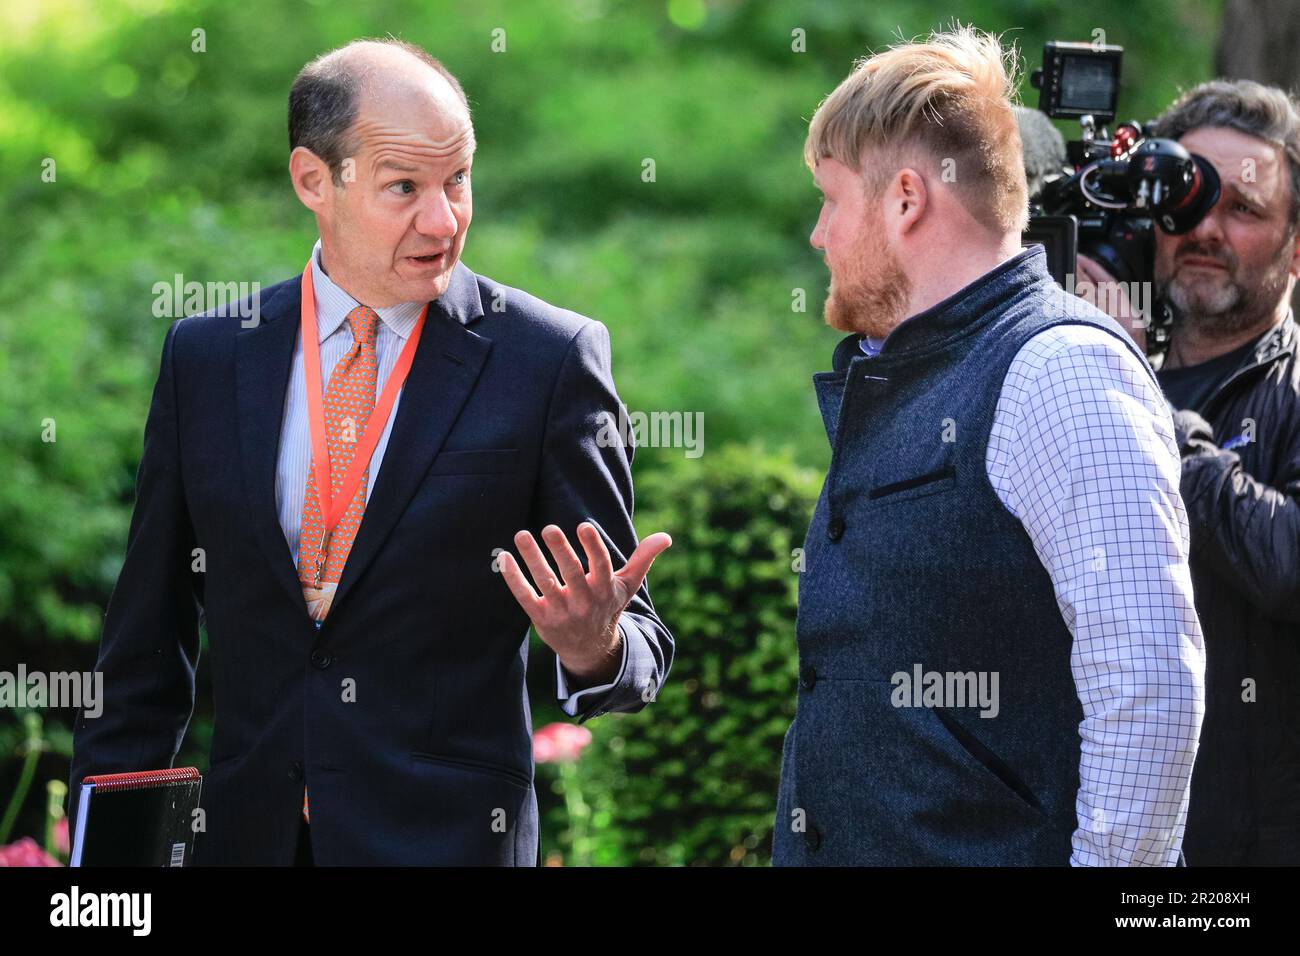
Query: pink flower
26, 852
560, 743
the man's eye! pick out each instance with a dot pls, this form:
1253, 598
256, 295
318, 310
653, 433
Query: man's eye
1249, 210
461, 177
404, 182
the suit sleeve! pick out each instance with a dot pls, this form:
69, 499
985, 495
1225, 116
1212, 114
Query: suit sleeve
149, 646
586, 477
1246, 531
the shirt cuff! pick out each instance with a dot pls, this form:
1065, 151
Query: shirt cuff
570, 700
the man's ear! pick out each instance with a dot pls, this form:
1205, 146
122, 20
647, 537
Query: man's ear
906, 199
311, 178
1295, 256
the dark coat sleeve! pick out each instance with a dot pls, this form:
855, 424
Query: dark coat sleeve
585, 478
149, 647
1246, 532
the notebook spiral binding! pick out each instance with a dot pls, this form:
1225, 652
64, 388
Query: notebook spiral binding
142, 779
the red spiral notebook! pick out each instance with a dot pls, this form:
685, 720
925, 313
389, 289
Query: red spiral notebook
136, 819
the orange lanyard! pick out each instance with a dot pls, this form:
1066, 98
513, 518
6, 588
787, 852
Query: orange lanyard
333, 507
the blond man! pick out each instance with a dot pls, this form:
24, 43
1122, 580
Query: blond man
1000, 660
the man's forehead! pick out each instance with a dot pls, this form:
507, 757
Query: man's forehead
414, 159
1241, 159
414, 140
827, 171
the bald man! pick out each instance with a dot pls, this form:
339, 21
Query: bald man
334, 492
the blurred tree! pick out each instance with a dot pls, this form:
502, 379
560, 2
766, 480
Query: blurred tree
1259, 40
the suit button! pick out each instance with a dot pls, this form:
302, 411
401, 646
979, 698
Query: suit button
808, 677
835, 529
812, 838
295, 771
321, 660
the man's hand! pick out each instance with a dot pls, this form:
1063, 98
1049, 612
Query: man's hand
578, 617
1103, 290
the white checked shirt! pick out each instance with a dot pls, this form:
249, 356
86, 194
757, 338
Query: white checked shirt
395, 325
1082, 452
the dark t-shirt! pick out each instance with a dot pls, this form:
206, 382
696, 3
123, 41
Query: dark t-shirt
1190, 387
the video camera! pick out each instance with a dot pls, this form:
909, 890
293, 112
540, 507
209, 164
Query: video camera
1100, 195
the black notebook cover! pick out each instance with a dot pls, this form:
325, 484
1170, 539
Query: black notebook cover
136, 819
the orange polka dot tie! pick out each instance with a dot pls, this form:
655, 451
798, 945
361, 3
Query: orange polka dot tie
349, 400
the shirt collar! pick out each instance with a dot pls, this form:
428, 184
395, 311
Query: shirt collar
333, 305
871, 347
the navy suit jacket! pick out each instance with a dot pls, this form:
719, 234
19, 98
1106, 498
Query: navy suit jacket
407, 714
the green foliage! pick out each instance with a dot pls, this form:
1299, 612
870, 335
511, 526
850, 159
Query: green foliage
174, 161
692, 778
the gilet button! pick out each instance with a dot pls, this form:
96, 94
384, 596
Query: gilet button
321, 660
808, 677
812, 838
295, 771
835, 529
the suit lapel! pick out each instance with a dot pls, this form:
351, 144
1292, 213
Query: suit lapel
447, 363
263, 362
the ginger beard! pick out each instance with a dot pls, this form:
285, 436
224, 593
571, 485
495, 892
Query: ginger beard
1228, 302
869, 289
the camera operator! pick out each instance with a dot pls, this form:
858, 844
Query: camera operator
1232, 378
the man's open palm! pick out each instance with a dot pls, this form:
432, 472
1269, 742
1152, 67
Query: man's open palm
577, 614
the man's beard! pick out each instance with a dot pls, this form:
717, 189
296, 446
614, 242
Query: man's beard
1231, 305
871, 296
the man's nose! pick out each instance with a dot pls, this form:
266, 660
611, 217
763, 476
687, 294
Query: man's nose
1208, 231
816, 240
436, 217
